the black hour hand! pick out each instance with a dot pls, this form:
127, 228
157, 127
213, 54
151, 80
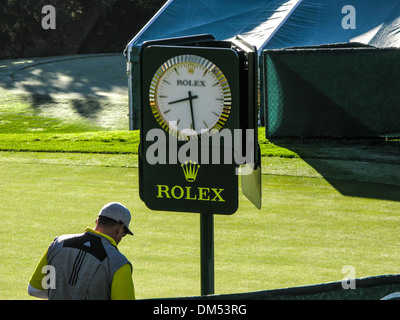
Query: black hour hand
184, 99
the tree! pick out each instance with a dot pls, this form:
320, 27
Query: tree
81, 26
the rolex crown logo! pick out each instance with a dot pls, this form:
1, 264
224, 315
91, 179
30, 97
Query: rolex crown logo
190, 69
190, 170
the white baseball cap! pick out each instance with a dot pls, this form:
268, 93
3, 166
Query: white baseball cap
117, 212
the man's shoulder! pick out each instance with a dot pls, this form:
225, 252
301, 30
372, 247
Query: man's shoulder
68, 236
58, 241
92, 243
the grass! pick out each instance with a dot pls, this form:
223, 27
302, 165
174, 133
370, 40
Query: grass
19, 113
326, 204
117, 142
305, 233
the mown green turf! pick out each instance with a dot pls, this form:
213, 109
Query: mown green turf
83, 142
305, 233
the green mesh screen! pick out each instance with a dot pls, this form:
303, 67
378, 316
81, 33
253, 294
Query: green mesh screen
332, 92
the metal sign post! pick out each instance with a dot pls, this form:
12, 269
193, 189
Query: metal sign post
207, 253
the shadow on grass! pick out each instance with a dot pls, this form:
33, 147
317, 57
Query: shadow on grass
83, 80
86, 108
357, 168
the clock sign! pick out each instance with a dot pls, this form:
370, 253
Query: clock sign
192, 88
190, 96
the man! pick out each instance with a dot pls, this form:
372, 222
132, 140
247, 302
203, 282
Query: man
88, 266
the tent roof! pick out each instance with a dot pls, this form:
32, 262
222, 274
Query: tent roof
275, 24
320, 22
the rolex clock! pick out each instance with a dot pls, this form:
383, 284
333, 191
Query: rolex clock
192, 88
190, 96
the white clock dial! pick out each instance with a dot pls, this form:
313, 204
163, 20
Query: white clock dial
190, 96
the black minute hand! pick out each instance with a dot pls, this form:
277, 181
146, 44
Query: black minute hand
191, 108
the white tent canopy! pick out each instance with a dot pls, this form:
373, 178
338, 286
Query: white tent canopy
269, 24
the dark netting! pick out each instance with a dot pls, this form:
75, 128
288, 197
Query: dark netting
332, 92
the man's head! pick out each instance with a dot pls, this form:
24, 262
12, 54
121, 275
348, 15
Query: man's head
113, 220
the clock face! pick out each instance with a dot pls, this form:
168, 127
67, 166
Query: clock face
190, 97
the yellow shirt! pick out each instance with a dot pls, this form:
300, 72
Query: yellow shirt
122, 285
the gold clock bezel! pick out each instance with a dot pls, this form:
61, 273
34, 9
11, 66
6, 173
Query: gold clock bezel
222, 81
